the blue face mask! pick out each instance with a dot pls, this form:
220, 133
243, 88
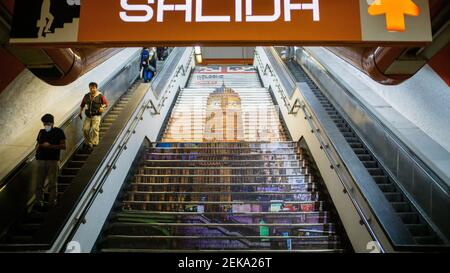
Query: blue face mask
48, 128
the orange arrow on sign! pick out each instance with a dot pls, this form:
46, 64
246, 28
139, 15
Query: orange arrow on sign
395, 11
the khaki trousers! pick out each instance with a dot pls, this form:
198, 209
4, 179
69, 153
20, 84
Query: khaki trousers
91, 130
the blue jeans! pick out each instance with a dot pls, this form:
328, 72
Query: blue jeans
148, 75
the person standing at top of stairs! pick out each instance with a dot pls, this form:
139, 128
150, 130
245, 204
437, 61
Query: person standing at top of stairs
95, 104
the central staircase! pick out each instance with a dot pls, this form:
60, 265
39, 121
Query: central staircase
224, 177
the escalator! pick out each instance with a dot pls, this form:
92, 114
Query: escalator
35, 228
225, 176
420, 230
26, 227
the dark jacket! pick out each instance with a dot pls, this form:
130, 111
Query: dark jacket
93, 106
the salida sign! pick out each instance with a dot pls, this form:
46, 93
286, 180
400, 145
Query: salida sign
238, 16
220, 22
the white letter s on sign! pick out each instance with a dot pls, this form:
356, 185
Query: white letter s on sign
143, 8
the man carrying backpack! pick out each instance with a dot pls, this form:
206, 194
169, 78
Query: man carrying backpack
95, 104
148, 64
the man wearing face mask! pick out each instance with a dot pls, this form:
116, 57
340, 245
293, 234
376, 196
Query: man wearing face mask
50, 141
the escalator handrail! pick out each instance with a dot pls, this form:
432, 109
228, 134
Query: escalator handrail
286, 78
159, 84
183, 69
280, 88
63, 125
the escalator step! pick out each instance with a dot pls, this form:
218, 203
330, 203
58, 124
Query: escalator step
409, 217
352, 139
62, 187
35, 218
19, 239
370, 164
375, 171
26, 228
394, 196
349, 135
381, 179
365, 157
43, 210
65, 179
109, 120
75, 164
80, 157
347, 130
70, 171
340, 121
332, 113
418, 229
401, 207
82, 151
387, 187
335, 117
356, 145
359, 151
427, 240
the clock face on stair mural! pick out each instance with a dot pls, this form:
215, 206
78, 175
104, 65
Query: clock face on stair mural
46, 20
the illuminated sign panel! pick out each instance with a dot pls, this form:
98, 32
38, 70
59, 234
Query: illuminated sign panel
257, 22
